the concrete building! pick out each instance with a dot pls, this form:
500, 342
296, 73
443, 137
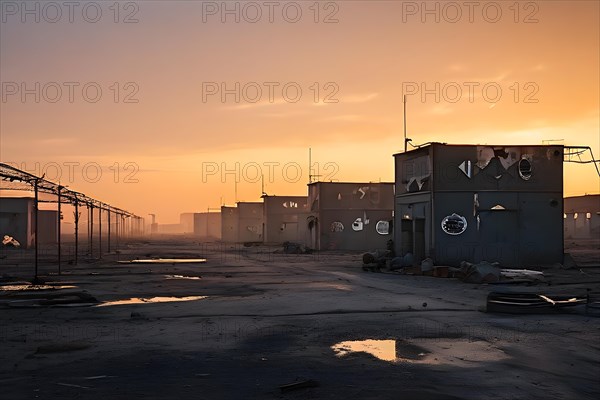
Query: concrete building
243, 223
285, 219
582, 217
17, 219
475, 203
229, 224
350, 216
250, 222
186, 220
207, 225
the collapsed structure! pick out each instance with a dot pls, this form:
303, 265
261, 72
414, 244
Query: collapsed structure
473, 203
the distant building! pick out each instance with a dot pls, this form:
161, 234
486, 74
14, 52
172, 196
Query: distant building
349, 216
229, 224
186, 220
170, 229
582, 217
207, 225
285, 219
472, 203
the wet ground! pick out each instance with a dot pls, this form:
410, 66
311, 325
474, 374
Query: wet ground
249, 321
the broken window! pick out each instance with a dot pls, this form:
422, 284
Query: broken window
337, 227
357, 225
383, 227
454, 224
525, 169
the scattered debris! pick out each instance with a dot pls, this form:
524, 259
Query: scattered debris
310, 383
482, 272
522, 274
295, 248
427, 265
10, 241
378, 259
530, 303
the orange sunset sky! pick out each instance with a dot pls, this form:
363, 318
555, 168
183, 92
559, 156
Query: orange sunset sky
158, 129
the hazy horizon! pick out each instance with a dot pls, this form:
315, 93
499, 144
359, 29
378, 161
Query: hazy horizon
156, 106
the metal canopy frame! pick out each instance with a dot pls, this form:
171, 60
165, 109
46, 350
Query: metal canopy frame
21, 180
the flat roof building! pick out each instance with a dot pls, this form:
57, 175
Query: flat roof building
480, 202
285, 219
350, 216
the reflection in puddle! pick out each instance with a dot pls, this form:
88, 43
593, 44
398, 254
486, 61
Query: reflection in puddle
34, 287
434, 351
182, 277
382, 349
386, 350
166, 261
142, 300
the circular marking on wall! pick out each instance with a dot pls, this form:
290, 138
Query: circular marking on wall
383, 227
337, 227
454, 224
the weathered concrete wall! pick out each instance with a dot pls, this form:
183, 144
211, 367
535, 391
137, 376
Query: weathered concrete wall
474, 203
250, 222
186, 220
229, 224
285, 218
346, 215
207, 225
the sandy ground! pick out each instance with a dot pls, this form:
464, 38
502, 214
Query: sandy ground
264, 320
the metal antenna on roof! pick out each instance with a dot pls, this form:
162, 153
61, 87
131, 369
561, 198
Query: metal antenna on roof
262, 185
406, 140
309, 165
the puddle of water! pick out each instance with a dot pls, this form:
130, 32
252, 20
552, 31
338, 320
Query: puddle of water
34, 287
429, 351
182, 277
166, 261
143, 300
382, 349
